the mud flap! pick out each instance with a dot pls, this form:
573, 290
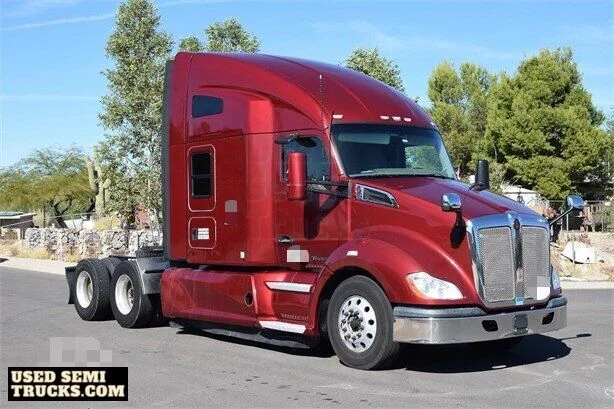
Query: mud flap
70, 277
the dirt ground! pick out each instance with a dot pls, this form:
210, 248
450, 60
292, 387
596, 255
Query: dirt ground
601, 270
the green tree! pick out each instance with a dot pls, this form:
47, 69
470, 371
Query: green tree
230, 36
132, 109
607, 173
226, 36
371, 63
544, 125
459, 107
191, 43
52, 179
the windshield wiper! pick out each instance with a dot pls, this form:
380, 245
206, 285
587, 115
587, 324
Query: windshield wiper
396, 175
434, 175
373, 175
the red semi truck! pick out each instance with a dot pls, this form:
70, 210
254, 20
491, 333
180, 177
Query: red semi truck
305, 201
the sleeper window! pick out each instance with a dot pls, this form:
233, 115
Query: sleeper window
202, 175
203, 105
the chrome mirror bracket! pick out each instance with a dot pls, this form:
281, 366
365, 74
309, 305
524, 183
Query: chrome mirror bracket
451, 202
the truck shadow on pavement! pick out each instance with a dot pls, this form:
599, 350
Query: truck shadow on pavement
460, 358
467, 358
323, 350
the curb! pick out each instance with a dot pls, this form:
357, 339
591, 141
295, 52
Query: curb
57, 267
35, 265
587, 285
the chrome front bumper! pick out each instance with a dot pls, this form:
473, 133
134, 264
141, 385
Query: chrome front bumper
459, 325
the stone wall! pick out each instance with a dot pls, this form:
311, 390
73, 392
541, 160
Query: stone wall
89, 243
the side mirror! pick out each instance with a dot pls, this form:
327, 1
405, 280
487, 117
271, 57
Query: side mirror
574, 202
482, 176
296, 185
451, 202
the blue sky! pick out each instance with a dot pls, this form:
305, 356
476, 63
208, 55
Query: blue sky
52, 51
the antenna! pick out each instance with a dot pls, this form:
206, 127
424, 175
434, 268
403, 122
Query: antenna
322, 101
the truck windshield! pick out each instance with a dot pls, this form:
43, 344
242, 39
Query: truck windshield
372, 150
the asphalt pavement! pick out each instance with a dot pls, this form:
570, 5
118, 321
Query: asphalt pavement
171, 367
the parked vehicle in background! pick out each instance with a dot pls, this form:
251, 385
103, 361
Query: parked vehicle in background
305, 201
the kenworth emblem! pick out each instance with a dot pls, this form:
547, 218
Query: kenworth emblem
516, 224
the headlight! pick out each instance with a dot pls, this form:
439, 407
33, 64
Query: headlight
432, 287
556, 281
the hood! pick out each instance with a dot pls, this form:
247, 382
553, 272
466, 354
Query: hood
430, 189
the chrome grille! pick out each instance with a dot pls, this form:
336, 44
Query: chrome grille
535, 260
496, 257
511, 258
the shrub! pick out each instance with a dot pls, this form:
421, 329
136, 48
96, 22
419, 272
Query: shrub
107, 223
9, 234
72, 257
37, 253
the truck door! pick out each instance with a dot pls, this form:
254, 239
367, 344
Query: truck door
307, 231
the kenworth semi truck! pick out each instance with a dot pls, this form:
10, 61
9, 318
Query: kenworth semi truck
306, 201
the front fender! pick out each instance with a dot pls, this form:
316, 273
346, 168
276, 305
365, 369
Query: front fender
389, 253
387, 263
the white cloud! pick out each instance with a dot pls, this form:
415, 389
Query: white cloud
60, 21
365, 29
462, 48
605, 103
33, 7
596, 69
98, 17
376, 36
591, 34
46, 97
172, 3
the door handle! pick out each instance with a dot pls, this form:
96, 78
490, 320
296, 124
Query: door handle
285, 240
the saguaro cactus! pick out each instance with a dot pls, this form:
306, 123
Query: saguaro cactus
99, 185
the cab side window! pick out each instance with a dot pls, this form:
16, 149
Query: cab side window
318, 166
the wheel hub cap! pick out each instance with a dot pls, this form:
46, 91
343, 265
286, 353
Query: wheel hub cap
85, 289
124, 294
357, 323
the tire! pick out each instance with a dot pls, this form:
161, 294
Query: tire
131, 308
91, 288
373, 347
111, 263
497, 346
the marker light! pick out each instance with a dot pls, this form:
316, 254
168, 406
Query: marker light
556, 281
337, 116
396, 118
384, 117
435, 288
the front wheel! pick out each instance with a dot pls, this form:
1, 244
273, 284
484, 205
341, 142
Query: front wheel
359, 321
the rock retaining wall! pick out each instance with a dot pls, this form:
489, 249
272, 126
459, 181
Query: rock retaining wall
89, 243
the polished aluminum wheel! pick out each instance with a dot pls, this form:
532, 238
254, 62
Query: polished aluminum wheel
84, 289
357, 323
124, 294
